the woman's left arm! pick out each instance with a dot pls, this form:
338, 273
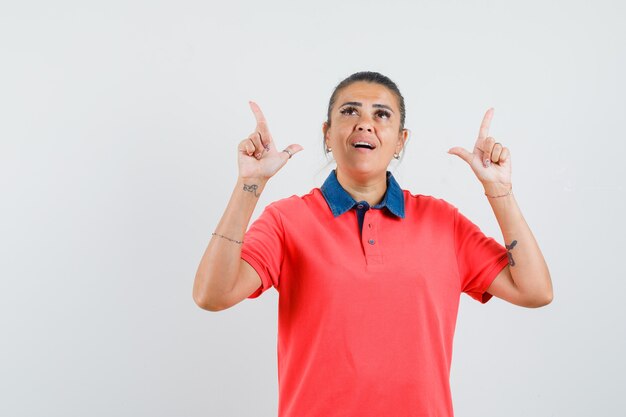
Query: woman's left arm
526, 280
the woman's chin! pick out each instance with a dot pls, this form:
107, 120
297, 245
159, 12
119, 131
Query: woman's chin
362, 169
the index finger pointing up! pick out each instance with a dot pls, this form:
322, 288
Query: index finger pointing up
261, 123
483, 132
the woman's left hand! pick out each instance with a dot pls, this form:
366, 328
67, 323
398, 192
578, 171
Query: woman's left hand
490, 161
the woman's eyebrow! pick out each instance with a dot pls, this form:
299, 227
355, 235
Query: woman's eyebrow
357, 104
382, 106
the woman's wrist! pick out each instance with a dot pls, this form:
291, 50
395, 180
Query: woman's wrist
497, 189
253, 180
251, 185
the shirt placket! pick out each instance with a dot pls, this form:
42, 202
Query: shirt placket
369, 238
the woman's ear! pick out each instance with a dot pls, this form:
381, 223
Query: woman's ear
403, 137
325, 127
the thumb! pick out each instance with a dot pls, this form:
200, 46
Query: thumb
462, 153
293, 149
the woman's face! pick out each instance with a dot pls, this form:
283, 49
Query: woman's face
364, 130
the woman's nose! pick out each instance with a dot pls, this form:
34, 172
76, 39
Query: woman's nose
364, 124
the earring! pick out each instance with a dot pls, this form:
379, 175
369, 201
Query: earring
396, 155
328, 149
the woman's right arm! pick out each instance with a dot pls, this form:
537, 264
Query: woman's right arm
223, 279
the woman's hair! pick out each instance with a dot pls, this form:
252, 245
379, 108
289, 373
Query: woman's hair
369, 77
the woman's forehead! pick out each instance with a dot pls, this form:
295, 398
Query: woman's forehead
367, 93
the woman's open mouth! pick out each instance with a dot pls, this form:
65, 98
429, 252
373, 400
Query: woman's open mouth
363, 145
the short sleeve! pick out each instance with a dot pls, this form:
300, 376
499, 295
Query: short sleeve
480, 258
263, 248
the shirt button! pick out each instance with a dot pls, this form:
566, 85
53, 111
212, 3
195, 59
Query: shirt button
360, 206
371, 241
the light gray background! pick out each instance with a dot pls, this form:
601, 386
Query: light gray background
119, 123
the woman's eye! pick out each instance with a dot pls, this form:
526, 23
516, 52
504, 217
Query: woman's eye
384, 114
348, 110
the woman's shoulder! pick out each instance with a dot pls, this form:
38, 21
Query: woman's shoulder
425, 202
296, 203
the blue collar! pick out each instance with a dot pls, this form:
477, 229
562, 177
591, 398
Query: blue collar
340, 201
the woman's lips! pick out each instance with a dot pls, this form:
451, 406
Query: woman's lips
364, 145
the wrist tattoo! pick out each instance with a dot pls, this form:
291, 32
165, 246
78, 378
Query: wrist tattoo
508, 252
251, 189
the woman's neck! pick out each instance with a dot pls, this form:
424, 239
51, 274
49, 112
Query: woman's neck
371, 190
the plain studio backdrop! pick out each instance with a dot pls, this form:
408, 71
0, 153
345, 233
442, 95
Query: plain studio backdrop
119, 123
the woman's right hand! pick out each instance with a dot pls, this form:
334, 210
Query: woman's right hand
257, 154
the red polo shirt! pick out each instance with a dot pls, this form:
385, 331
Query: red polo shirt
366, 320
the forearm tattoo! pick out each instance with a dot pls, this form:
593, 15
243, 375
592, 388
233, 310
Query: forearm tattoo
508, 249
251, 189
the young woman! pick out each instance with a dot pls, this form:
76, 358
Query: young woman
369, 275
